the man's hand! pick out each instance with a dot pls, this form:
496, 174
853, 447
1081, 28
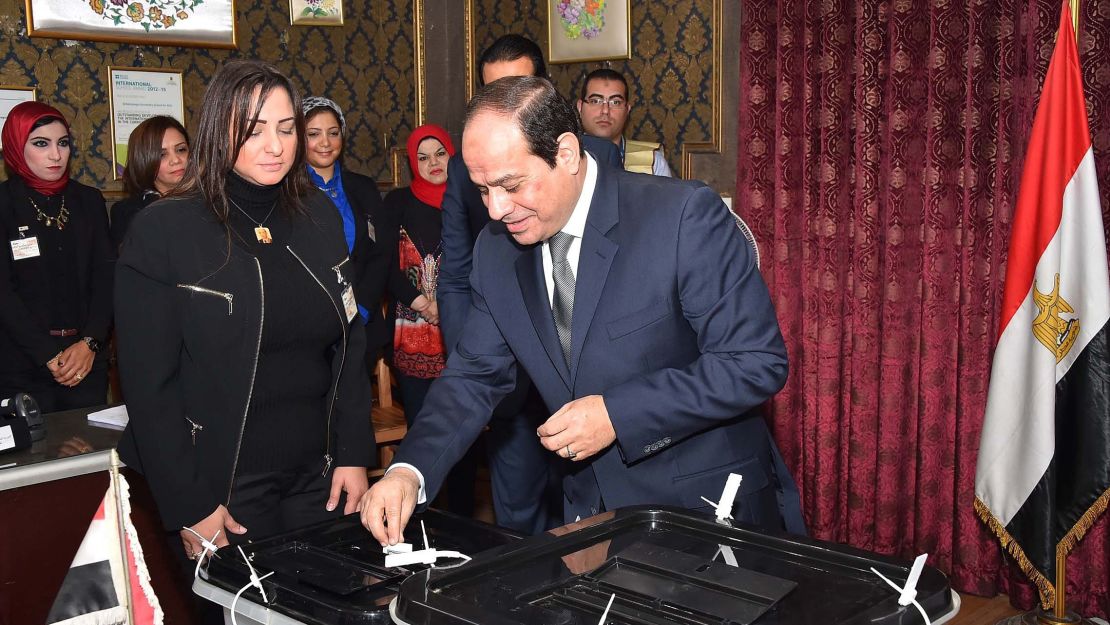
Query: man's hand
386, 508
73, 364
579, 429
218, 520
351, 480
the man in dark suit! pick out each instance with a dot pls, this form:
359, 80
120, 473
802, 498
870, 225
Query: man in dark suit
519, 468
636, 308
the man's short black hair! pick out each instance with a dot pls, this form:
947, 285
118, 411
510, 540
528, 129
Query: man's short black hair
537, 108
510, 48
604, 74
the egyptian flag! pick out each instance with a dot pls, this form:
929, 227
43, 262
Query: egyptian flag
1043, 475
98, 586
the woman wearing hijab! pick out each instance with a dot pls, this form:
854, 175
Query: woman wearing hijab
238, 340
418, 352
157, 153
359, 204
56, 276
419, 355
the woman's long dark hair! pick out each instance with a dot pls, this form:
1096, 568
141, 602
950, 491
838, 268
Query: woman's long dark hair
229, 104
144, 153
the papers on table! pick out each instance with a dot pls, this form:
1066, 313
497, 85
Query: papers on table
114, 417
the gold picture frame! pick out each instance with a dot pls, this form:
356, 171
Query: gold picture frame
135, 94
316, 12
210, 24
10, 96
599, 30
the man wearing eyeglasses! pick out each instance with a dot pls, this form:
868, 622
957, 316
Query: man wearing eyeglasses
604, 107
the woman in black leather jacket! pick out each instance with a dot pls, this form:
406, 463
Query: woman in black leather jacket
239, 344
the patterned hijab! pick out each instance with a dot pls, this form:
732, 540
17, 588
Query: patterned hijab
314, 102
431, 194
14, 137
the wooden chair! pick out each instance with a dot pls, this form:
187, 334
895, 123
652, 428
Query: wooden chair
388, 419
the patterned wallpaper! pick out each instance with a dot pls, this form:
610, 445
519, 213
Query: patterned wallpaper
374, 82
670, 74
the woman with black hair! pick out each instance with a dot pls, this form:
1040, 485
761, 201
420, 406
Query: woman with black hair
56, 276
157, 153
239, 344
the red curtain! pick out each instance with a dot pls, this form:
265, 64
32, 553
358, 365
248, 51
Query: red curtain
881, 145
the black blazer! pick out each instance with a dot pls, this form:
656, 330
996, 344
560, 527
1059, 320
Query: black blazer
25, 341
189, 324
125, 210
371, 255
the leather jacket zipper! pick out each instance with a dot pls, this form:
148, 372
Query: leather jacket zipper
250, 390
230, 297
342, 355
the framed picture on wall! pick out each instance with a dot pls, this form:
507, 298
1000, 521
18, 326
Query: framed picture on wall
580, 31
207, 24
316, 12
135, 94
10, 96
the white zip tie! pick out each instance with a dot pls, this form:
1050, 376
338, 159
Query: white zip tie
606, 612
234, 601
908, 594
424, 530
256, 581
209, 546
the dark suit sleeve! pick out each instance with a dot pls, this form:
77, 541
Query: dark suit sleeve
480, 372
149, 346
743, 358
103, 265
453, 288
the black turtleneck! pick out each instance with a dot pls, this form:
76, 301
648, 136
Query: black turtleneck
286, 421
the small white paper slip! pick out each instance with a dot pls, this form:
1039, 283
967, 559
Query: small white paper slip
114, 417
25, 248
349, 304
7, 438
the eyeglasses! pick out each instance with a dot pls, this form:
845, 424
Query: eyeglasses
614, 102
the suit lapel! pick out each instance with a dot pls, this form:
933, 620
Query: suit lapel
594, 260
533, 286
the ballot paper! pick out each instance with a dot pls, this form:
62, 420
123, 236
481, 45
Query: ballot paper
114, 417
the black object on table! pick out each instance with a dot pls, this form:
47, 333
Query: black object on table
334, 572
668, 565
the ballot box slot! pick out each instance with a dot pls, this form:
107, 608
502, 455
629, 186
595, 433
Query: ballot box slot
325, 571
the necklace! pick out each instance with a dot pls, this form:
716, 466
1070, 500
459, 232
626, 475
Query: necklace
262, 233
60, 220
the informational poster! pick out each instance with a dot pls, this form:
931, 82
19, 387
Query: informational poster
9, 97
136, 94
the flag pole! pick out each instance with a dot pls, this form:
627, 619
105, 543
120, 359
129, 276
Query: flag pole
121, 528
1074, 6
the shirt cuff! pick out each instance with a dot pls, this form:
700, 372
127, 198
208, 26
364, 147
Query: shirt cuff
421, 497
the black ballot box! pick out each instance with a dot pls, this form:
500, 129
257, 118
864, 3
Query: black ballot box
334, 573
664, 565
